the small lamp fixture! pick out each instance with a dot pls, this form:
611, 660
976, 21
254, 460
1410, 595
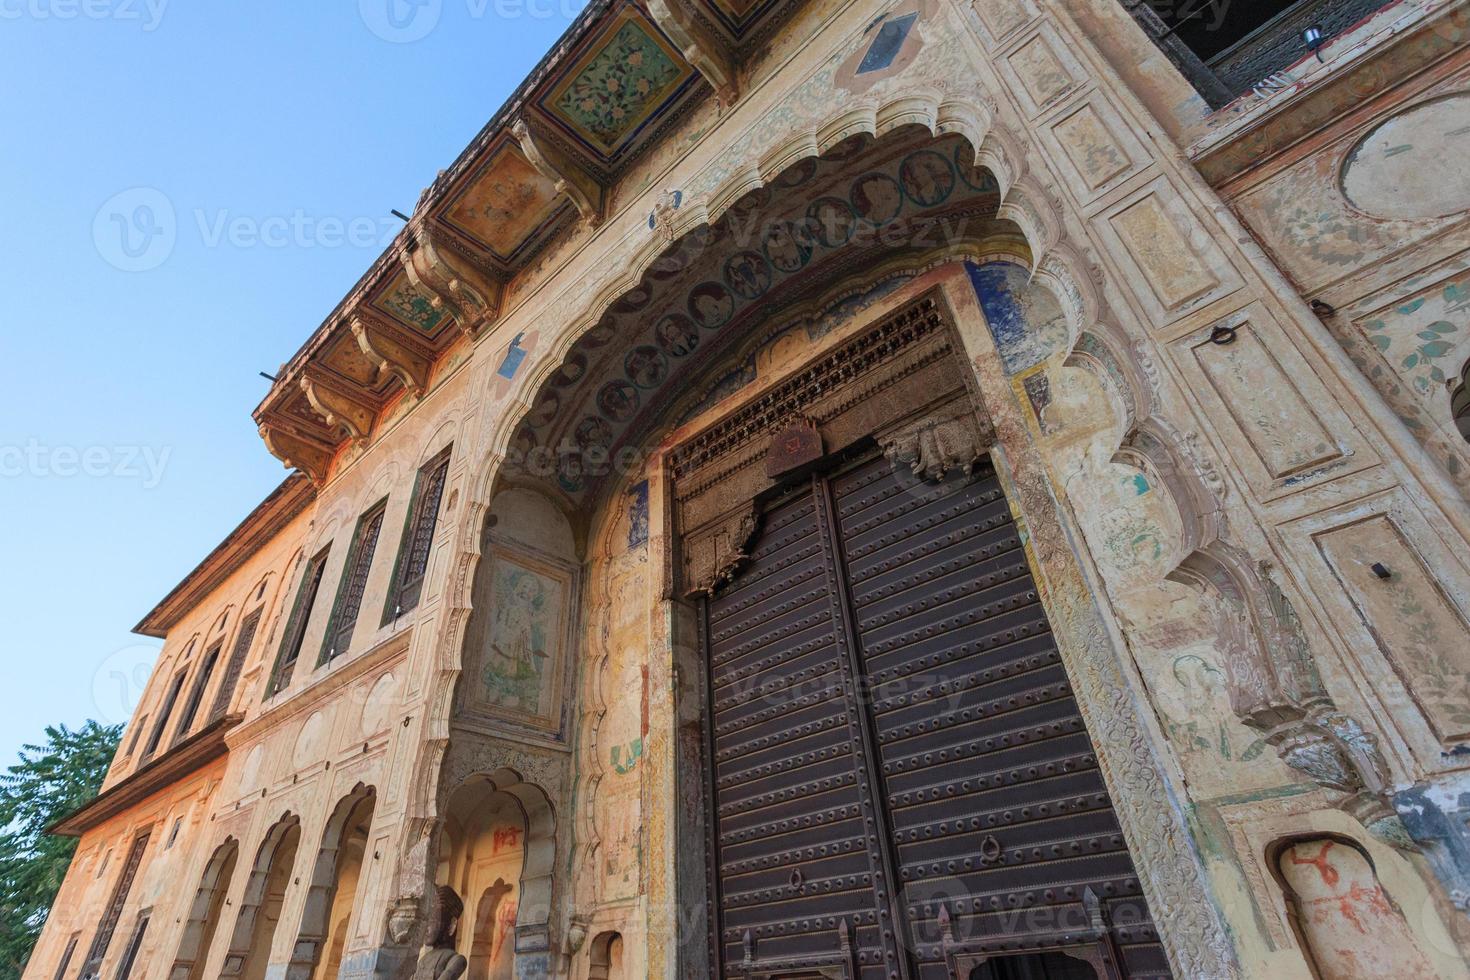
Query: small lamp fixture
1313, 38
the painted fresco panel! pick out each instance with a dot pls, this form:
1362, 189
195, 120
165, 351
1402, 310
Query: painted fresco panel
1171, 265
1294, 437
1418, 629
507, 204
521, 669
1044, 70
1283, 429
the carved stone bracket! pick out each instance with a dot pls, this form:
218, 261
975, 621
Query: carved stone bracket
1276, 689
709, 55
719, 555
584, 191
933, 446
393, 353
339, 408
452, 282
306, 453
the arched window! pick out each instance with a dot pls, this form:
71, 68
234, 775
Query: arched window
322, 938
204, 913
260, 906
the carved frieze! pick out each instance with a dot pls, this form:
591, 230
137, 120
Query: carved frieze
933, 446
902, 369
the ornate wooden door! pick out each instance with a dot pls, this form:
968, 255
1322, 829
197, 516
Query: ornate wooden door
901, 784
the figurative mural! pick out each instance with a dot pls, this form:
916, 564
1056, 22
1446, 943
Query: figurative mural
1121, 608
522, 663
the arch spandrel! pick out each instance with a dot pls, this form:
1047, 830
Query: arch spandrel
1097, 310
1033, 235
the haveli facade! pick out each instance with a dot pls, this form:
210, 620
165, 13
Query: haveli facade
934, 488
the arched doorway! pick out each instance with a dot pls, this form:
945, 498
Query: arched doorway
606, 957
332, 893
796, 363
497, 848
260, 906
204, 913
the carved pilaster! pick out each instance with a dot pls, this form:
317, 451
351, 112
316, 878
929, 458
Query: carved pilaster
571, 179
392, 354
453, 282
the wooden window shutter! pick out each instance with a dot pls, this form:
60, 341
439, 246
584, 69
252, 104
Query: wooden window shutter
354, 583
93, 966
418, 537
311, 583
196, 693
233, 669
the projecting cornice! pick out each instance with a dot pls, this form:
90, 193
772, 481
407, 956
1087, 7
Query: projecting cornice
189, 756
262, 525
541, 168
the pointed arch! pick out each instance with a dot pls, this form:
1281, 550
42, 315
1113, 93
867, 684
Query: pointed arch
329, 905
260, 905
205, 912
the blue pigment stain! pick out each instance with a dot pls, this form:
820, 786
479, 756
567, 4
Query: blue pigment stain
638, 516
513, 358
995, 284
887, 44
1140, 484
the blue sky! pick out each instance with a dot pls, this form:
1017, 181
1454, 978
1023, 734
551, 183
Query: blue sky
189, 187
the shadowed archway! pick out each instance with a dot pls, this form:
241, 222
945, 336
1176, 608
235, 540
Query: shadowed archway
205, 913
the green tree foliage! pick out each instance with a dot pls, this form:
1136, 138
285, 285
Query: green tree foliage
50, 781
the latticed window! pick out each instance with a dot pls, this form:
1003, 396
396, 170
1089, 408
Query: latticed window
196, 693
165, 712
1225, 47
130, 955
354, 583
295, 635
418, 537
108, 925
243, 641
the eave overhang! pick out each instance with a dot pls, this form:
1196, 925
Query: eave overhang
619, 78
260, 526
185, 758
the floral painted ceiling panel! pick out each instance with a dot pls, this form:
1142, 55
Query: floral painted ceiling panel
508, 205
408, 306
619, 84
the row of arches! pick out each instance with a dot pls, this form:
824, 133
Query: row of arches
331, 892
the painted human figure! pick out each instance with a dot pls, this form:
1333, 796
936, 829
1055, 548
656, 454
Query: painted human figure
1352, 928
514, 669
440, 960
